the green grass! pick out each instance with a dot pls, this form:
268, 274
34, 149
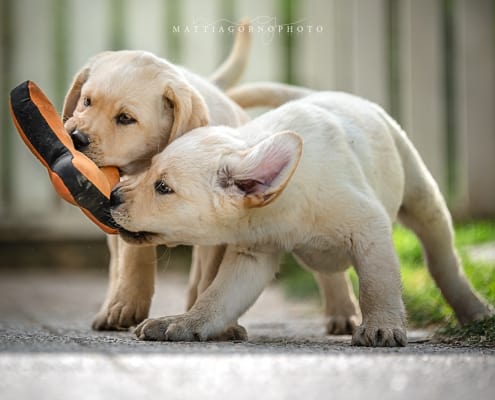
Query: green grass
424, 303
479, 333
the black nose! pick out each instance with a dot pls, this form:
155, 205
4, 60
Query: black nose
116, 198
80, 139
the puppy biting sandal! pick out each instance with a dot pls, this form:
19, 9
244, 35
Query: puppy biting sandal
74, 176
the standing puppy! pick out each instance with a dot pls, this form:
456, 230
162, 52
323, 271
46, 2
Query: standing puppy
323, 177
124, 107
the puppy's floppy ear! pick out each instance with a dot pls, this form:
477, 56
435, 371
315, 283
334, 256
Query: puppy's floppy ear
190, 110
264, 170
74, 93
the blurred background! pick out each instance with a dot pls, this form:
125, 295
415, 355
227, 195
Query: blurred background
430, 63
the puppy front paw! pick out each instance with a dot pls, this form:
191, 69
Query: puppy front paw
234, 333
379, 337
121, 315
178, 328
342, 324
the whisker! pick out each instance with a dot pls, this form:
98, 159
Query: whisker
167, 252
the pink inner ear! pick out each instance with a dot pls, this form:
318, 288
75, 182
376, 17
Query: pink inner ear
272, 164
267, 166
264, 170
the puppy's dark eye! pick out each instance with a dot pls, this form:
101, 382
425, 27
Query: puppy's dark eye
87, 102
161, 187
125, 119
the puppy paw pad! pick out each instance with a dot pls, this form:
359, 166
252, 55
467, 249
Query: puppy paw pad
172, 329
342, 325
234, 333
120, 316
379, 337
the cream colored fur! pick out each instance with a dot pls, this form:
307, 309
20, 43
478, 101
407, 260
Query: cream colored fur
266, 94
323, 177
163, 101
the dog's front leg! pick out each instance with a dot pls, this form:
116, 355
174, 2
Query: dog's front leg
380, 296
240, 280
131, 287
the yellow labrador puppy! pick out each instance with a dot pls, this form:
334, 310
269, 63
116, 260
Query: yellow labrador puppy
124, 107
324, 177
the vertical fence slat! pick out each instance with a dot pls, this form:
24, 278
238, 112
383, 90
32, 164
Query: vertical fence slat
88, 34
199, 49
85, 36
370, 51
4, 36
144, 26
344, 42
423, 112
31, 192
265, 57
475, 67
172, 14
316, 53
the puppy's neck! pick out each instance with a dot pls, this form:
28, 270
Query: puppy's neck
270, 226
136, 167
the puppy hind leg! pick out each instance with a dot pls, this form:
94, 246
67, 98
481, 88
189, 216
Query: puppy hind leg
194, 277
210, 259
341, 306
429, 218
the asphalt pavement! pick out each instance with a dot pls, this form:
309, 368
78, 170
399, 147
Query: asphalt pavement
48, 351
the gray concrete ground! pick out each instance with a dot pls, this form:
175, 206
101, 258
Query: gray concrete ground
48, 351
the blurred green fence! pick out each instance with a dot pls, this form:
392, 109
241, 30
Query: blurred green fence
431, 63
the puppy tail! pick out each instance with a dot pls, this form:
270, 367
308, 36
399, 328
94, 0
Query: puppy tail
425, 212
230, 72
266, 94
